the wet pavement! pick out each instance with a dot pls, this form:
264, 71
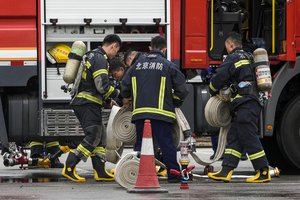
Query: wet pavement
49, 184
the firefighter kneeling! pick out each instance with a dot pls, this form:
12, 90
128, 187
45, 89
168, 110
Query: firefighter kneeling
237, 71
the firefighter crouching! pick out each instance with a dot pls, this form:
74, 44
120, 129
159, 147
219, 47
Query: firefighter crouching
237, 72
93, 90
156, 87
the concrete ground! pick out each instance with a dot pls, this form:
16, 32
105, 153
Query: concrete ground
49, 184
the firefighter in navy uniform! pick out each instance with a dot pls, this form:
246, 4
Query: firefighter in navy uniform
237, 72
156, 87
93, 90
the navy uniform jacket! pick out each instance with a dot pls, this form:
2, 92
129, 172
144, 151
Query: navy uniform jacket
95, 86
156, 87
235, 69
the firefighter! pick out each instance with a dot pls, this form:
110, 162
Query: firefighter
117, 71
93, 90
238, 73
130, 57
52, 147
156, 87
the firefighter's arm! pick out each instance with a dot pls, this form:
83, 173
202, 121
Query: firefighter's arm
126, 85
179, 86
220, 78
101, 78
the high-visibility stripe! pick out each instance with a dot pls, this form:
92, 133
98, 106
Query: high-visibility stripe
88, 64
100, 150
84, 74
212, 87
84, 151
236, 97
241, 63
52, 144
174, 96
89, 97
32, 144
257, 155
147, 147
233, 152
100, 71
154, 110
162, 89
111, 90
133, 81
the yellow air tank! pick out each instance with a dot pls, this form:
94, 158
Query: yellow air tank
77, 51
262, 70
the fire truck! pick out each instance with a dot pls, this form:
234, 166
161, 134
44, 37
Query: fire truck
33, 105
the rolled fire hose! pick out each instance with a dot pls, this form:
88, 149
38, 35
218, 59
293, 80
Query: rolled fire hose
114, 147
122, 127
127, 170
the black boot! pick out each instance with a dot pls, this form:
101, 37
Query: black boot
52, 150
262, 175
223, 175
100, 173
36, 151
55, 163
69, 170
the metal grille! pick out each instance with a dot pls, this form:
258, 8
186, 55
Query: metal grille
65, 123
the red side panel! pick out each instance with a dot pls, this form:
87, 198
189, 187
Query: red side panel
18, 24
175, 29
195, 34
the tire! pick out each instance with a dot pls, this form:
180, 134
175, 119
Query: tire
288, 136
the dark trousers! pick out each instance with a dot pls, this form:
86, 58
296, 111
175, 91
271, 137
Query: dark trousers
243, 136
162, 132
90, 119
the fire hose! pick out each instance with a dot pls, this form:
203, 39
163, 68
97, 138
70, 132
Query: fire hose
217, 113
127, 169
114, 147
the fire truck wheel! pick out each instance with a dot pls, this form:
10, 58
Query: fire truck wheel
289, 136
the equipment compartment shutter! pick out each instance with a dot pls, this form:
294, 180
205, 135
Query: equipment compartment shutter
105, 11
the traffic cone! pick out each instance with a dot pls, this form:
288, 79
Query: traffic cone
147, 181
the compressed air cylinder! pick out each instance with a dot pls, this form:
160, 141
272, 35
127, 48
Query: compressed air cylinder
75, 56
262, 70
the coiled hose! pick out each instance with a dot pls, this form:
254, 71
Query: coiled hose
114, 147
217, 114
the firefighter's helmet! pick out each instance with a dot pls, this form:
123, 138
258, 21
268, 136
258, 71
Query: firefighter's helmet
58, 53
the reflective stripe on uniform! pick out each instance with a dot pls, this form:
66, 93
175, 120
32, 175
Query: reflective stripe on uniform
241, 63
236, 97
87, 64
100, 150
155, 111
161, 96
52, 144
89, 97
84, 151
174, 96
35, 144
84, 74
111, 89
133, 80
233, 152
98, 72
212, 87
257, 155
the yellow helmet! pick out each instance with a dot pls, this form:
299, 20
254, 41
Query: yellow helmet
58, 53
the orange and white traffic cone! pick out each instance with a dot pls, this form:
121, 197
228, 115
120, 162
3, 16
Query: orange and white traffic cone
147, 181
